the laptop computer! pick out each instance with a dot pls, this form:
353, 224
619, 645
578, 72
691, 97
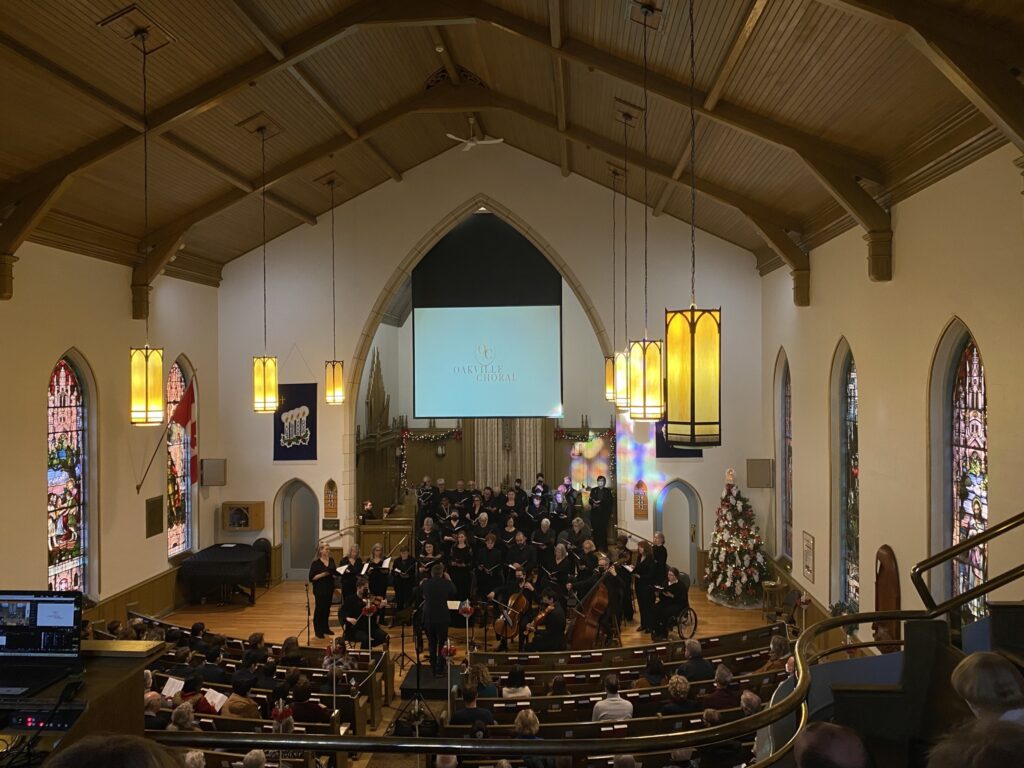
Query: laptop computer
39, 639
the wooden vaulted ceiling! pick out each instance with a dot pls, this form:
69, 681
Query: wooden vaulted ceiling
813, 116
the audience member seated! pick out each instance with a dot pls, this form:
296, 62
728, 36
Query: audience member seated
290, 655
239, 704
478, 730
679, 703
724, 696
612, 706
254, 758
722, 754
653, 675
987, 743
831, 745
193, 694
682, 758
778, 653
696, 667
109, 750
338, 657
527, 726
558, 686
245, 669
183, 718
188, 665
470, 712
305, 709
992, 687
479, 677
196, 640
156, 718
212, 671
266, 676
515, 685
194, 758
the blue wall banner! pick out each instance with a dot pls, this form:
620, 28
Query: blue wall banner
295, 423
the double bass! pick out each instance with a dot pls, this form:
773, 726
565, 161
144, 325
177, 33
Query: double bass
582, 632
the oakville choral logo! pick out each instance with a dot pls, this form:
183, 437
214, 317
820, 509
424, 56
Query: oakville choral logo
295, 427
487, 367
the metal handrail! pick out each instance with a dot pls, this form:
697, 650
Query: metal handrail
804, 653
918, 571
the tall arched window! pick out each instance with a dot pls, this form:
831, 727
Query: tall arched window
969, 473
181, 459
67, 447
786, 456
849, 488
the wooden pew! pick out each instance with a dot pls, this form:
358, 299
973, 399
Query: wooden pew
646, 701
613, 657
592, 680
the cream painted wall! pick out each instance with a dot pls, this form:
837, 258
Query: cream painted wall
64, 300
959, 250
378, 232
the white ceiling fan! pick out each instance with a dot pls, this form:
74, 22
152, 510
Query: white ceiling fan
473, 140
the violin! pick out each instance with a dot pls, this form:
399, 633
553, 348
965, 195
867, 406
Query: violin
531, 629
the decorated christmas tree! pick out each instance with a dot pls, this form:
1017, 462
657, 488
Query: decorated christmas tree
736, 564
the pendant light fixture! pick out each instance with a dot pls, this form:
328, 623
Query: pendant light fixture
146, 363
264, 367
693, 336
622, 355
334, 370
646, 401
609, 360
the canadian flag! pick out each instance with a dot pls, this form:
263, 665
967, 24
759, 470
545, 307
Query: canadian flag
185, 415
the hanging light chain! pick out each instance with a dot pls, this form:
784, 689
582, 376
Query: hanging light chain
334, 296
142, 35
625, 224
615, 176
646, 117
263, 215
693, 162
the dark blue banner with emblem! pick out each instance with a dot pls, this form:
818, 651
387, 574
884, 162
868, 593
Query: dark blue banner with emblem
295, 423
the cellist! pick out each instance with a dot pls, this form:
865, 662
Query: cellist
504, 595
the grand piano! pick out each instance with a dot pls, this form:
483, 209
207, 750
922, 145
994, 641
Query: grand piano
223, 569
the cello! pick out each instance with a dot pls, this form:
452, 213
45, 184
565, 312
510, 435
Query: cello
507, 625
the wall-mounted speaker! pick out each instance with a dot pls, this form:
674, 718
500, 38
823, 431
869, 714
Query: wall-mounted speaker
760, 473
213, 472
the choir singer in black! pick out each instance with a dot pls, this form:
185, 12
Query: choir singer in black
321, 575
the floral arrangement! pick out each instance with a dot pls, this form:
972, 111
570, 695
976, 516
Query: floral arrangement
737, 565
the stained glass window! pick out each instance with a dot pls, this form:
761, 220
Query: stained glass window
787, 464
970, 474
67, 456
179, 467
849, 491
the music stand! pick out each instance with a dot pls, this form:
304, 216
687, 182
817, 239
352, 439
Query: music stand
416, 711
401, 659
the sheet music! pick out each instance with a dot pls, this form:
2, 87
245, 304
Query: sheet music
343, 570
366, 567
216, 699
386, 564
171, 687
453, 605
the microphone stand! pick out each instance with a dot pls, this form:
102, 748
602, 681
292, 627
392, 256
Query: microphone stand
307, 613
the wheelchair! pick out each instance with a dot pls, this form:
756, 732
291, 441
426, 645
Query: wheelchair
686, 624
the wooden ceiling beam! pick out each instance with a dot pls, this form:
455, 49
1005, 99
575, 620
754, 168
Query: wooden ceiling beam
561, 81
982, 62
804, 144
754, 10
364, 13
258, 29
18, 225
798, 261
234, 178
149, 268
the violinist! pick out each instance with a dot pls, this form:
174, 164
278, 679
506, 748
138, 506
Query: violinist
350, 567
428, 533
321, 575
403, 574
548, 625
543, 541
460, 565
360, 617
521, 554
672, 601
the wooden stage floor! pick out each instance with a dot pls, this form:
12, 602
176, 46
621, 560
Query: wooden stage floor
281, 611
